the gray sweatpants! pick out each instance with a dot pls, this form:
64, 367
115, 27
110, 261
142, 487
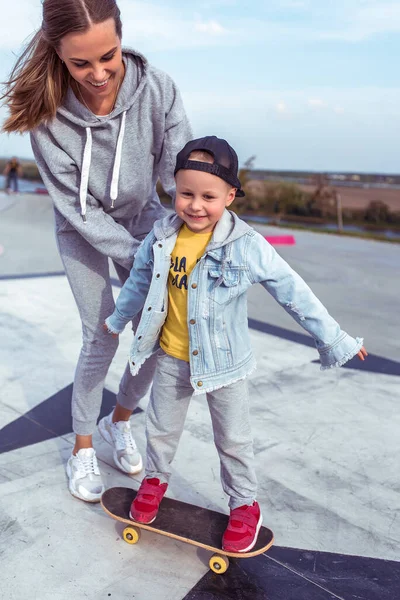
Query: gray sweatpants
89, 277
229, 410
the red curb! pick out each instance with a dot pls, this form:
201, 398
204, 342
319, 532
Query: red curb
276, 240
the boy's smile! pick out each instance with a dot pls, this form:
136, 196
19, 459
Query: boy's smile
201, 199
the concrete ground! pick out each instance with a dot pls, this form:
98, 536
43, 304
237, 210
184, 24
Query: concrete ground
326, 443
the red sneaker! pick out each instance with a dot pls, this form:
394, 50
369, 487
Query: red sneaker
243, 527
144, 508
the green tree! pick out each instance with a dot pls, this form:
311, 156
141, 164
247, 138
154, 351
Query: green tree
326, 200
240, 205
286, 198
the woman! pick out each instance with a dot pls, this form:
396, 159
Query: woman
11, 172
105, 126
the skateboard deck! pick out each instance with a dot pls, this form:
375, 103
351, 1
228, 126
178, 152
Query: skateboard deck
181, 521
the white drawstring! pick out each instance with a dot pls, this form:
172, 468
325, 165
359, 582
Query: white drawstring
117, 162
87, 157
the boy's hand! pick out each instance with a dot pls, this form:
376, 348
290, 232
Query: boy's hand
362, 353
114, 335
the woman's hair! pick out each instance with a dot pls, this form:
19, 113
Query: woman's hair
39, 80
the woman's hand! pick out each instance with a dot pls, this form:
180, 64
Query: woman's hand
114, 335
362, 353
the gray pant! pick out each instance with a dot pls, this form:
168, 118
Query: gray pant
89, 277
229, 410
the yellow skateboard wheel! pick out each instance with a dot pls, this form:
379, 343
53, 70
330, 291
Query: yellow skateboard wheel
219, 564
131, 535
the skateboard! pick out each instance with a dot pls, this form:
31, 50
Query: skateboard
191, 524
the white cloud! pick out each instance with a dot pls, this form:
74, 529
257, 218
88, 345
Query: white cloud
365, 25
149, 26
215, 4
152, 27
355, 20
316, 103
294, 4
357, 131
210, 27
341, 20
255, 105
158, 26
281, 107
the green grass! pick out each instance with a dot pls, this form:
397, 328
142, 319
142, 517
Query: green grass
356, 234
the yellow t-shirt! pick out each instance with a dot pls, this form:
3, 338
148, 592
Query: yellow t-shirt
188, 250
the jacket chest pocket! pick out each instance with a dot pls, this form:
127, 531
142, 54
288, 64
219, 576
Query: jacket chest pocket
223, 285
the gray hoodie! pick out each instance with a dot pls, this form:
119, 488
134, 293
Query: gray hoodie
101, 172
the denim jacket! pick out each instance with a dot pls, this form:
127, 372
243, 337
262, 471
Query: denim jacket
219, 343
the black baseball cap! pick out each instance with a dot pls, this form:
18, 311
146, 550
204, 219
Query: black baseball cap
225, 163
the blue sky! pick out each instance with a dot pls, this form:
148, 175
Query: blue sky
300, 84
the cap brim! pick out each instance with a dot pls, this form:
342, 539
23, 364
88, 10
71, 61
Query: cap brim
239, 194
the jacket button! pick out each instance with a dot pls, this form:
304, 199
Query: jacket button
158, 275
195, 352
199, 383
192, 321
194, 285
132, 363
149, 308
140, 337
160, 245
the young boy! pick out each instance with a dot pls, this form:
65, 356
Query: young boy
190, 278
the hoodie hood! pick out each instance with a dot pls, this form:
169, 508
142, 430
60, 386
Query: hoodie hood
76, 112
228, 229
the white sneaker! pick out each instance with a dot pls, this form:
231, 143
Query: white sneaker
85, 480
126, 455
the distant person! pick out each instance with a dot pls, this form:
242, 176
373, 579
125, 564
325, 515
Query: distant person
12, 171
191, 277
105, 125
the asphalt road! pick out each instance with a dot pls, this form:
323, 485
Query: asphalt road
358, 280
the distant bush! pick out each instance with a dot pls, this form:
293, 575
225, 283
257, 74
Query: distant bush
287, 199
377, 212
395, 218
281, 199
274, 198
